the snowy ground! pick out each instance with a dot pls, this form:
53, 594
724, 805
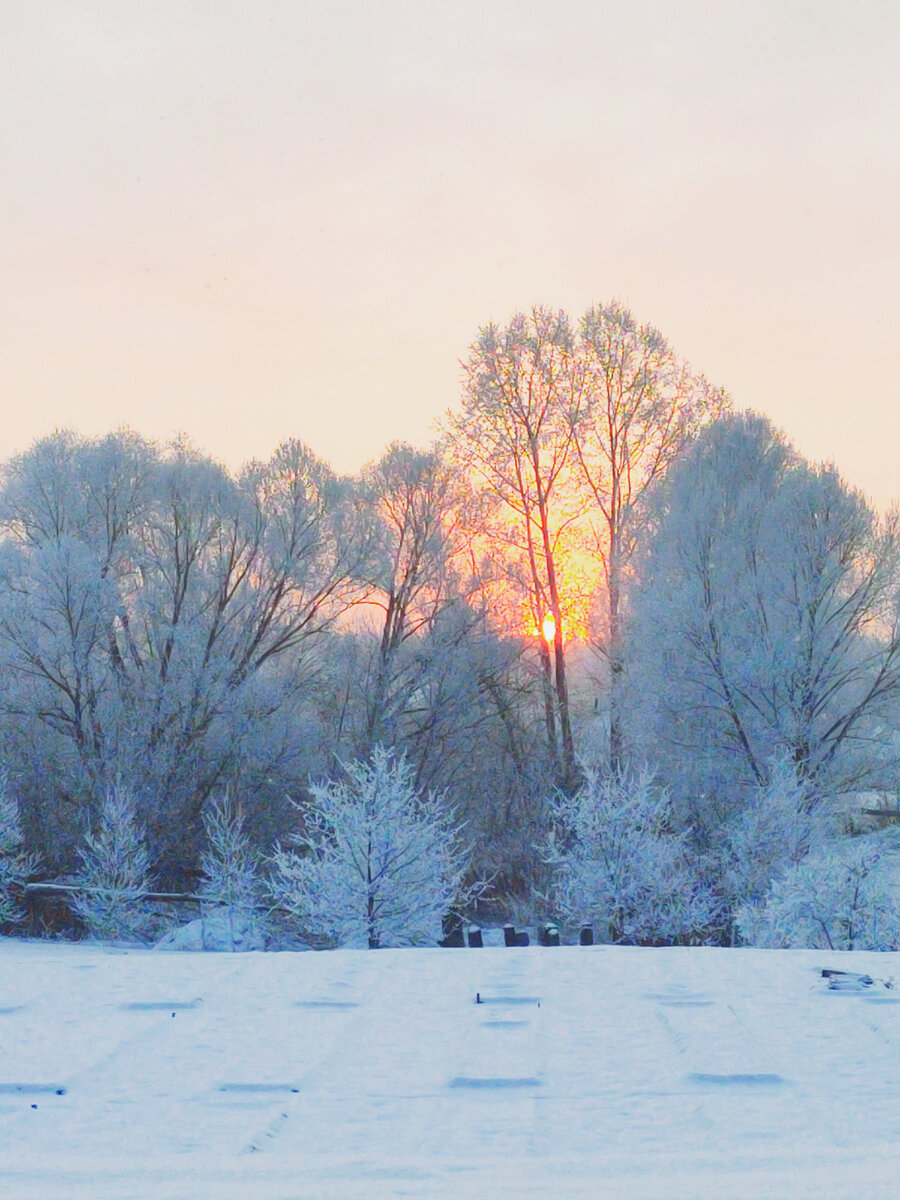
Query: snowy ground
587, 1072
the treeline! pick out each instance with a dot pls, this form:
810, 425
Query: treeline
599, 582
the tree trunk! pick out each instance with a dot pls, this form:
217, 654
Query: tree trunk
370, 903
615, 656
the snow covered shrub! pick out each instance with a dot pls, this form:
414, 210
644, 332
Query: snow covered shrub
114, 873
232, 888
841, 897
15, 866
379, 864
773, 832
619, 864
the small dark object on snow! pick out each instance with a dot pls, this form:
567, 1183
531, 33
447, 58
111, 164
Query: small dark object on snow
548, 935
586, 937
478, 997
34, 1106
24, 1089
522, 939
475, 939
509, 935
846, 981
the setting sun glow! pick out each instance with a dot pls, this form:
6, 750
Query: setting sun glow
548, 628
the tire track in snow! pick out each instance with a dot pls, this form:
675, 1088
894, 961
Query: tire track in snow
92, 1097
375, 1088
343, 1018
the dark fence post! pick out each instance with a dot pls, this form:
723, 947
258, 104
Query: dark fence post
475, 939
587, 936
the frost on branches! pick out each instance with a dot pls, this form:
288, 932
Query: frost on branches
114, 873
841, 897
15, 866
620, 866
779, 826
232, 888
379, 865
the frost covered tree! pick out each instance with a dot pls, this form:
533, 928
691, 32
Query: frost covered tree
15, 864
774, 831
425, 671
232, 888
156, 615
378, 864
115, 872
621, 865
765, 627
844, 896
417, 593
637, 405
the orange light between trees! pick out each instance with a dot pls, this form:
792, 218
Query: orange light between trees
548, 628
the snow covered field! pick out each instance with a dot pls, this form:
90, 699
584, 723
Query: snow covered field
585, 1072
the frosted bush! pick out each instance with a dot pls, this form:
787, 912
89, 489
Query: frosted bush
379, 864
841, 897
778, 828
114, 874
15, 865
232, 887
621, 867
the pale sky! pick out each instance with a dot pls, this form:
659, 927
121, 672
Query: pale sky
255, 220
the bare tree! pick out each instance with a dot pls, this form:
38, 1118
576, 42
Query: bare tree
414, 498
636, 407
512, 439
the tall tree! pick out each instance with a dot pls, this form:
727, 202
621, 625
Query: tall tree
146, 599
512, 439
636, 407
766, 626
413, 497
